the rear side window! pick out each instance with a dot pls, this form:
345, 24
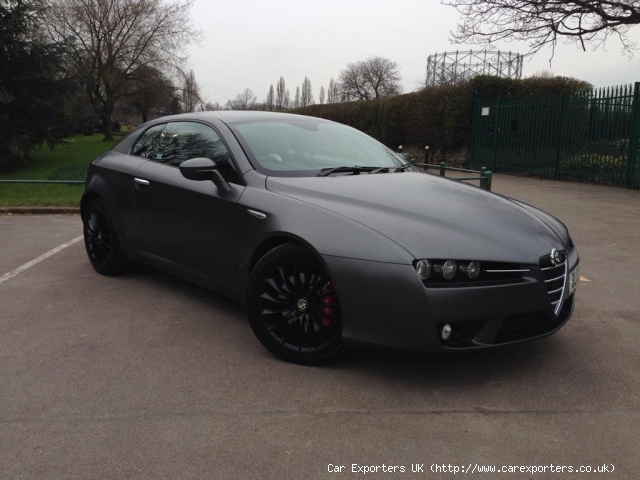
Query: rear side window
144, 146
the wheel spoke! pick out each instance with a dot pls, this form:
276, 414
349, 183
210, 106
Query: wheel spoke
327, 305
268, 297
289, 330
324, 294
268, 311
285, 279
278, 324
277, 288
330, 318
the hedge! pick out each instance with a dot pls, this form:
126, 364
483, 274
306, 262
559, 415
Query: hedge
440, 117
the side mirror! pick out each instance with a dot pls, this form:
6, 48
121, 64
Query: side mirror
204, 169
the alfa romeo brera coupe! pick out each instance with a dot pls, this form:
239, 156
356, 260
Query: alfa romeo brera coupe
331, 239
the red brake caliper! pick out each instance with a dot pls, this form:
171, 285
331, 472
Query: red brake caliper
329, 299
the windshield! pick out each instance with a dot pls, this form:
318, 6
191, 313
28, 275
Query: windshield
306, 146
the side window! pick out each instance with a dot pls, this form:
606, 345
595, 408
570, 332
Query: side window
182, 141
145, 145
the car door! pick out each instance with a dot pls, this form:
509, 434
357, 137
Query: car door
190, 223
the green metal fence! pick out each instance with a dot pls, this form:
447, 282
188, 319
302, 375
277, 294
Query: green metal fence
589, 137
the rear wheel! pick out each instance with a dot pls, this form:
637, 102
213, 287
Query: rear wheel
293, 306
101, 239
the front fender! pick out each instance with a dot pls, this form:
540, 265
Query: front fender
324, 232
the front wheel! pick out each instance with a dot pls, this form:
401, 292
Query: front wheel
101, 239
293, 306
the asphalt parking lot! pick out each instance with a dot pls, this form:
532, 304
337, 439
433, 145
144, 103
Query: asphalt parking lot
147, 376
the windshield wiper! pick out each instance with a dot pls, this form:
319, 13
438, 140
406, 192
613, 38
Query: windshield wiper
403, 167
355, 169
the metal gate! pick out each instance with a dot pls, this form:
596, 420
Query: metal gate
588, 137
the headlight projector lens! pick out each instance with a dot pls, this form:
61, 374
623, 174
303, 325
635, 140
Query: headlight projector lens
423, 268
449, 269
472, 270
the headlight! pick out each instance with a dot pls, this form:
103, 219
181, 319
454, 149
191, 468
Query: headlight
423, 268
447, 269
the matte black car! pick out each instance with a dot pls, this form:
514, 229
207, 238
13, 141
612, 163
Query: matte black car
330, 238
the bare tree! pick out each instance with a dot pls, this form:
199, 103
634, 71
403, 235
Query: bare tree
190, 94
306, 96
544, 22
245, 100
332, 92
296, 102
280, 90
211, 107
270, 103
109, 41
375, 77
287, 100
321, 97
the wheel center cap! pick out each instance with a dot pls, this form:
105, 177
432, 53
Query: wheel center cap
302, 305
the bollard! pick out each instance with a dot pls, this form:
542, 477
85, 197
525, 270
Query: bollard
426, 154
488, 176
483, 178
443, 169
400, 149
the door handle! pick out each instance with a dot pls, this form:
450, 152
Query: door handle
141, 181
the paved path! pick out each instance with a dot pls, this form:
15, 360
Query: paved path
146, 376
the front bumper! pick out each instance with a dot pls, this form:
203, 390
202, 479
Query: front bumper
386, 306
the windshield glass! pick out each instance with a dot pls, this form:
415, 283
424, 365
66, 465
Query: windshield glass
304, 147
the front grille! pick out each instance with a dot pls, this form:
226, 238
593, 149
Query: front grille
554, 278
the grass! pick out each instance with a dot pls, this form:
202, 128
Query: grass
66, 162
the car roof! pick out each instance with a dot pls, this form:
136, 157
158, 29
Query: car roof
233, 116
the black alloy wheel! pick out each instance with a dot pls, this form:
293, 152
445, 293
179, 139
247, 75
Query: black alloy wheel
293, 306
101, 239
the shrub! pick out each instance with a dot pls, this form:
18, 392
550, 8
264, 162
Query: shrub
440, 117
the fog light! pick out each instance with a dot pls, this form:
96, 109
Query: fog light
446, 332
449, 269
423, 268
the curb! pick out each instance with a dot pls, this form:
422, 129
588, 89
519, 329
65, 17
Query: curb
39, 210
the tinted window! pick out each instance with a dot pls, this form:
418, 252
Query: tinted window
309, 145
182, 141
145, 144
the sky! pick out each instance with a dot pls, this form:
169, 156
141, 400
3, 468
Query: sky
251, 43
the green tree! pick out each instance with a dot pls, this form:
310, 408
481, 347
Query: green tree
152, 94
32, 90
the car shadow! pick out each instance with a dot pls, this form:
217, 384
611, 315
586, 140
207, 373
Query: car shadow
456, 369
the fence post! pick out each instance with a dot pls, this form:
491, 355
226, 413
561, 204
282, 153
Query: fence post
474, 129
563, 99
400, 149
426, 154
496, 132
634, 133
443, 169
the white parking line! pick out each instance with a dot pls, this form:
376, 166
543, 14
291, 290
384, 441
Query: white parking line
39, 259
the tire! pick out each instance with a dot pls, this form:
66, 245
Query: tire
101, 239
293, 306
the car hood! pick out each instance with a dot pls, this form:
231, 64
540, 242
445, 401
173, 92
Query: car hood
433, 217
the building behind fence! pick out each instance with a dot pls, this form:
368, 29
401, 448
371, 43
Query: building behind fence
588, 137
